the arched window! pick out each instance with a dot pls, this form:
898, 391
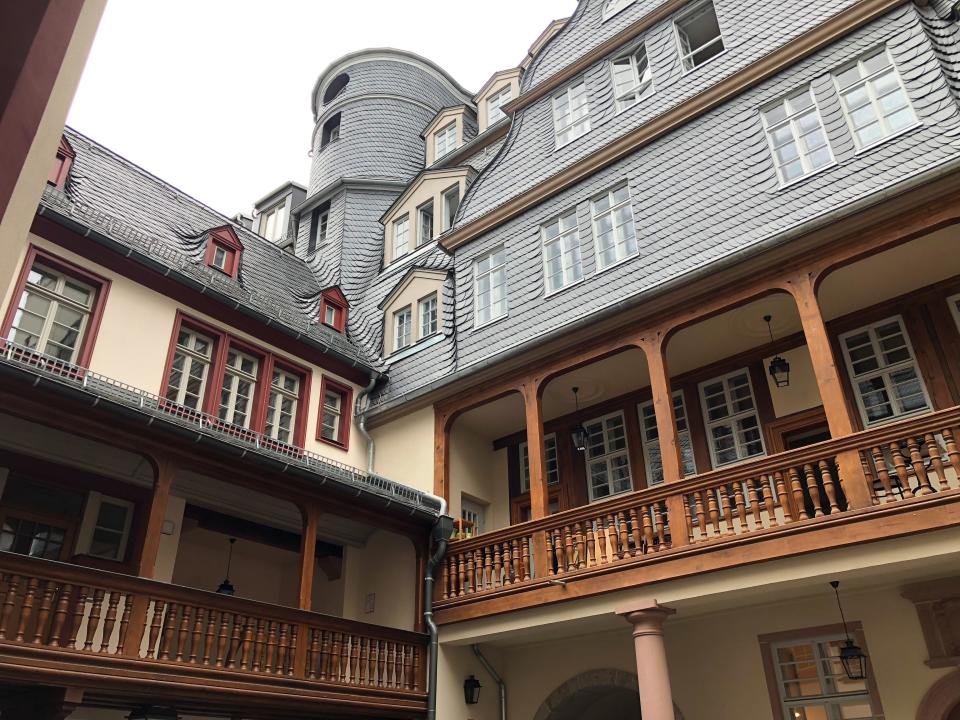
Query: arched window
335, 87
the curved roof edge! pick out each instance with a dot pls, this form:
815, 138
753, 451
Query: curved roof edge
385, 53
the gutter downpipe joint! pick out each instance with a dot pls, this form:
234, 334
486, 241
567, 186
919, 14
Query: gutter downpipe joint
501, 685
441, 535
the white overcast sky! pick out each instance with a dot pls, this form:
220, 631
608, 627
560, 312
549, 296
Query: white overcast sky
213, 96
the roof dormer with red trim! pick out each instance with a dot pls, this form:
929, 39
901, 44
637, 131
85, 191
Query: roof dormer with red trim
333, 309
60, 169
224, 250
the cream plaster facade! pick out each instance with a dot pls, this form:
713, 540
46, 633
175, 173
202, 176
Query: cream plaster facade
441, 121
419, 285
505, 78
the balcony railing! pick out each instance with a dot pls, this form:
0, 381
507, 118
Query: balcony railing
89, 616
900, 461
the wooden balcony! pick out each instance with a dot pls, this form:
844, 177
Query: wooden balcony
778, 506
74, 626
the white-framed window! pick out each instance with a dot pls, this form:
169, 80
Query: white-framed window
220, 256
239, 386
473, 514
650, 439
553, 465
490, 286
330, 315
614, 232
401, 236
632, 78
332, 415
497, 101
53, 313
187, 381
451, 202
109, 532
608, 462
875, 102
444, 140
425, 223
796, 136
730, 415
954, 302
318, 230
561, 252
282, 405
571, 113
402, 328
273, 225
612, 7
883, 370
698, 35
811, 682
427, 312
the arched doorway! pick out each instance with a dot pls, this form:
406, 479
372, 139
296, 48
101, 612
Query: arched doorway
942, 701
605, 694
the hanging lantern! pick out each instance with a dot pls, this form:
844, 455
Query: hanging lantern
471, 690
226, 587
779, 368
851, 656
579, 433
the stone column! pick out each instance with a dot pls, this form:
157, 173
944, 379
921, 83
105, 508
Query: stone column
653, 676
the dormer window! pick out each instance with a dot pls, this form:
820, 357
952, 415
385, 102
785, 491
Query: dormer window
61, 165
333, 309
497, 101
273, 222
401, 236
331, 131
445, 140
425, 223
223, 251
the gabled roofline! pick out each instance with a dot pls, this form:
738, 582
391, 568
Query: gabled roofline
497, 76
417, 180
277, 192
552, 28
444, 110
404, 280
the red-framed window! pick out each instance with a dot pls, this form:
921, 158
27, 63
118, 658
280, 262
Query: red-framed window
333, 309
246, 388
224, 250
62, 163
336, 401
56, 308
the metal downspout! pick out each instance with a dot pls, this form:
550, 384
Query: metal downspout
361, 416
441, 534
497, 679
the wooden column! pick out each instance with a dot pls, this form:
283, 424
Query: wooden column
308, 554
441, 454
655, 351
531, 390
165, 470
653, 675
803, 288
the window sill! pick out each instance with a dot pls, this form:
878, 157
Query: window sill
426, 342
651, 91
604, 269
416, 253
488, 323
333, 443
685, 73
803, 178
611, 495
554, 293
889, 138
571, 140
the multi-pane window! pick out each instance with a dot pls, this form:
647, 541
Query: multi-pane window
189, 369
273, 224
608, 463
401, 236
36, 538
571, 113
427, 311
52, 314
451, 202
561, 252
425, 223
553, 466
698, 35
237, 391
651, 439
282, 405
220, 257
318, 229
613, 229
884, 371
732, 423
796, 136
490, 286
332, 410
472, 514
330, 315
811, 682
444, 140
335, 413
632, 78
612, 7
402, 328
874, 99
495, 102
111, 529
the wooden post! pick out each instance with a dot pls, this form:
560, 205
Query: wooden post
308, 554
165, 470
655, 350
803, 288
441, 454
531, 389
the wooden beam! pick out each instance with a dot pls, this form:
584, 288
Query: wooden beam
308, 555
532, 391
165, 470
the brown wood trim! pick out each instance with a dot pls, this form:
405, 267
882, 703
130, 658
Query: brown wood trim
797, 49
787, 424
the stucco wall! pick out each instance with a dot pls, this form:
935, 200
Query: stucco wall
802, 393
386, 568
479, 472
404, 449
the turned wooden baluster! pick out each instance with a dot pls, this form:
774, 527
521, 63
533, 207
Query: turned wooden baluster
880, 463
60, 615
581, 547
797, 489
701, 514
829, 486
714, 511
283, 648
156, 618
415, 678
94, 620
658, 525
727, 510
591, 544
754, 504
291, 649
470, 573
375, 664
249, 638
569, 548
260, 646
550, 554
235, 647
647, 529
345, 641
336, 666
497, 579
636, 531
196, 636
624, 550
355, 659
326, 656
408, 667
740, 503
223, 639
900, 466
271, 662
688, 517
936, 459
868, 474
613, 540
109, 621
811, 481
26, 609
526, 558
953, 452
462, 575
184, 633
43, 615
313, 654
124, 623
783, 496
367, 670
478, 570
919, 470
78, 612
210, 641
392, 675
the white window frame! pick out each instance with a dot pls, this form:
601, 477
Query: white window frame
868, 81
614, 7
478, 275
566, 124
732, 419
650, 437
273, 426
445, 140
273, 223
323, 220
608, 455
191, 356
331, 431
683, 49
596, 216
448, 214
401, 236
475, 512
553, 462
497, 101
233, 375
432, 324
792, 118
884, 371
641, 88
421, 214
90, 524
403, 320
567, 239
